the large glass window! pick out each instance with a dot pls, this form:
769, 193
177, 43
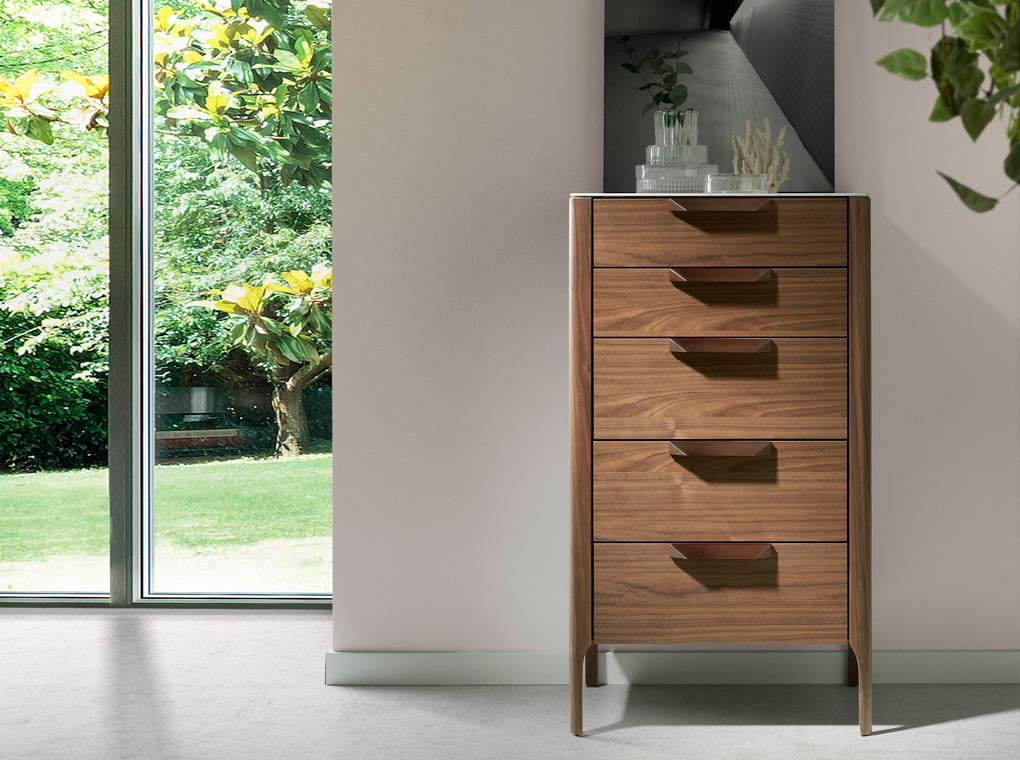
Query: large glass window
220, 476
54, 297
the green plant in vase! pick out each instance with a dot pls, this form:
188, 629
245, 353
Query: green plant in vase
659, 72
975, 67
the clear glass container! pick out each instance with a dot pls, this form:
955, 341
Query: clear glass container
676, 127
736, 183
672, 179
676, 155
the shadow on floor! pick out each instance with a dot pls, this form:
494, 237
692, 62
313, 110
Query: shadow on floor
895, 708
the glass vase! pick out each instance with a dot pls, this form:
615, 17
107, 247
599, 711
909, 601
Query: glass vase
676, 127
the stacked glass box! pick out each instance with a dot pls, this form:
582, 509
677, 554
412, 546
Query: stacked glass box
675, 163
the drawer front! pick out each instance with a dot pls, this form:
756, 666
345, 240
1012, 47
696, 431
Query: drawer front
654, 302
642, 595
787, 231
797, 389
789, 491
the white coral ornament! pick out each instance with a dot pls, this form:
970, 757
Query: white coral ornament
755, 154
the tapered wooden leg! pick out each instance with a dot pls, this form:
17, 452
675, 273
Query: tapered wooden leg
863, 658
851, 667
576, 681
591, 666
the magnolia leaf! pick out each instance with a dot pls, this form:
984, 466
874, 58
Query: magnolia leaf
972, 199
976, 115
876, 5
906, 63
40, 129
252, 298
228, 307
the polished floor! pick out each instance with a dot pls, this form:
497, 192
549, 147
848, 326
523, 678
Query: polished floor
220, 685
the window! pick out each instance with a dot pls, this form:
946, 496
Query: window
219, 307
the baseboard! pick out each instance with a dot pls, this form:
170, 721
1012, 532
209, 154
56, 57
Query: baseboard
688, 667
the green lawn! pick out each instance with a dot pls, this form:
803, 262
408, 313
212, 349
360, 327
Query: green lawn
201, 504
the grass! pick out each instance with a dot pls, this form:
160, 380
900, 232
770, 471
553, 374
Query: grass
197, 505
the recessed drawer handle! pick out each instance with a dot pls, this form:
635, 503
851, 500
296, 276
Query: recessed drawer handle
718, 204
721, 274
720, 551
719, 448
721, 345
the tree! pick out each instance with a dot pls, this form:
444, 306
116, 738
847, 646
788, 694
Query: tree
242, 189
288, 329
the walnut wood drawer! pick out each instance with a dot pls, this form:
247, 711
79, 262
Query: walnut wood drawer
789, 491
784, 301
643, 595
797, 389
786, 232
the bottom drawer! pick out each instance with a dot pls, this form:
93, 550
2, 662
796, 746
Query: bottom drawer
643, 594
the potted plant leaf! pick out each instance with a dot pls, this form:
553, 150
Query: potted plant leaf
975, 67
660, 73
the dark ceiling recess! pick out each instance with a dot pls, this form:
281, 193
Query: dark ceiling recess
720, 13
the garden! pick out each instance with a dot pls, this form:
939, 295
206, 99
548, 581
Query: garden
241, 293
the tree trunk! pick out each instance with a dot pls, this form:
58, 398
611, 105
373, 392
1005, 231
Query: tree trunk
291, 424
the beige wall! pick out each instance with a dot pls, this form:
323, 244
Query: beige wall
462, 126
946, 354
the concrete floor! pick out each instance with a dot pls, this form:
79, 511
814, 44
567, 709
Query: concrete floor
112, 685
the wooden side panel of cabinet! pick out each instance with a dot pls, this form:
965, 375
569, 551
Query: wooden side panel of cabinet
860, 455
580, 448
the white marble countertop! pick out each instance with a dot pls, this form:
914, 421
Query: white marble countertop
719, 195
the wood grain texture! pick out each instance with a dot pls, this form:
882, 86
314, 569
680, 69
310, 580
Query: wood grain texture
642, 391
580, 450
796, 493
644, 232
645, 302
860, 451
797, 595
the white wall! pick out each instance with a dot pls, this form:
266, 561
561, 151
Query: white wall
945, 354
462, 126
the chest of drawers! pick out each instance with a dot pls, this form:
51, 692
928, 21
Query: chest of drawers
720, 480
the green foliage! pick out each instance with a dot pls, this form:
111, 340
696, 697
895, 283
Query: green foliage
214, 226
975, 66
50, 416
14, 203
286, 326
252, 78
216, 221
664, 68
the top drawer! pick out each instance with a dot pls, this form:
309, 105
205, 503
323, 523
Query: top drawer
645, 232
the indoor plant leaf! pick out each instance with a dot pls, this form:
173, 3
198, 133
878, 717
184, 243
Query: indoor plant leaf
906, 63
974, 200
920, 12
983, 29
1012, 163
976, 115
